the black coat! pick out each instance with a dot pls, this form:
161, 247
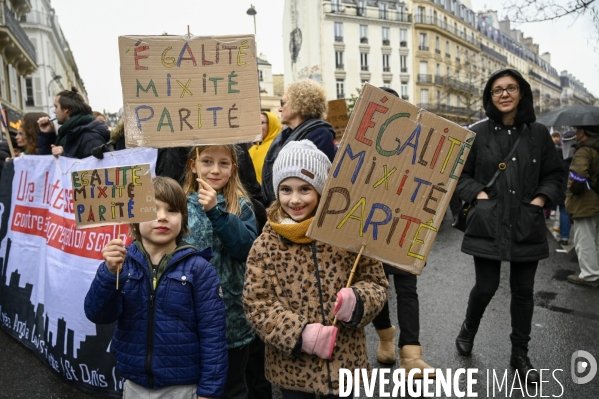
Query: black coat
506, 226
82, 139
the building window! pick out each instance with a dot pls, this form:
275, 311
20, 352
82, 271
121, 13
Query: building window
340, 88
420, 15
437, 45
423, 42
438, 70
363, 81
387, 83
424, 97
404, 91
385, 33
339, 59
386, 65
438, 96
403, 38
363, 33
361, 8
29, 87
334, 5
449, 100
457, 53
447, 49
448, 72
338, 32
403, 63
364, 61
383, 10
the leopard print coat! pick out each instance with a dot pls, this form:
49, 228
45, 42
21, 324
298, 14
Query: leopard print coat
289, 285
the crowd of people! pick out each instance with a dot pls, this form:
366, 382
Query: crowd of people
224, 294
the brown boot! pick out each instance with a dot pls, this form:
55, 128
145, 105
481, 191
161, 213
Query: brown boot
386, 352
410, 357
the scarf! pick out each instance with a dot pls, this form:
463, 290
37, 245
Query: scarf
293, 231
73, 122
258, 152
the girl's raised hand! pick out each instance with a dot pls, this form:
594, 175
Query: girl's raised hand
206, 195
114, 255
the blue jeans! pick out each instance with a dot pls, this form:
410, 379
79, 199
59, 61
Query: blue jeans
564, 223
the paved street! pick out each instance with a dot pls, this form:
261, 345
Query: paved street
566, 319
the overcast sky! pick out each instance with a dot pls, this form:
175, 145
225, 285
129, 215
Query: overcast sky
92, 33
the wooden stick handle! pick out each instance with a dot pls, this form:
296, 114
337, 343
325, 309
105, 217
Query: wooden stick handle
118, 269
349, 282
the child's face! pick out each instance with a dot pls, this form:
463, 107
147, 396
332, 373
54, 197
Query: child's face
162, 232
216, 166
298, 198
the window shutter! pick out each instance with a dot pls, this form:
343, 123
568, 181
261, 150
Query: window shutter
37, 91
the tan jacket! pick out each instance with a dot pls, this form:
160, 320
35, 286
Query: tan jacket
289, 285
580, 201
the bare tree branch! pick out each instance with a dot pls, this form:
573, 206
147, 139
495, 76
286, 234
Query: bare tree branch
547, 10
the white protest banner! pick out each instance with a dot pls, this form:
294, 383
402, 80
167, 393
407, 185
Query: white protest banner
47, 265
186, 91
391, 182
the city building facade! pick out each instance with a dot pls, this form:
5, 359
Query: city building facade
57, 69
438, 54
17, 60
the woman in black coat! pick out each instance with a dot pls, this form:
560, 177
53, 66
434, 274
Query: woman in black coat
506, 222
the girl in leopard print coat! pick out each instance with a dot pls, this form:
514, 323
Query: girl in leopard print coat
294, 286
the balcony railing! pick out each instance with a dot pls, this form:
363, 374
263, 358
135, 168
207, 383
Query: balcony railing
439, 80
457, 59
340, 95
424, 78
450, 109
371, 12
403, 43
339, 38
438, 51
364, 40
431, 20
405, 97
404, 70
386, 69
493, 53
36, 17
8, 19
386, 42
422, 47
447, 55
339, 66
364, 68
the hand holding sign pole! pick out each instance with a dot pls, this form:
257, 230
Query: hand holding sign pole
115, 195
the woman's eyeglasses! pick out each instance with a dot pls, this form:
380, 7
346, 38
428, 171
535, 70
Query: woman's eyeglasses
498, 91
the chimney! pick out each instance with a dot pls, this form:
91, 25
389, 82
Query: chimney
546, 56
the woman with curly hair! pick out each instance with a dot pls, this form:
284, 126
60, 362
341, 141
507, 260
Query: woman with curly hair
303, 107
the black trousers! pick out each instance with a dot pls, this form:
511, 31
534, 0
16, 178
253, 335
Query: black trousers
522, 278
236, 387
408, 314
258, 386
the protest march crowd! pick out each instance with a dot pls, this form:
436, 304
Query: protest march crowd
225, 293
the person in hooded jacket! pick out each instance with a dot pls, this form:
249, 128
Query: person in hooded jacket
506, 221
79, 132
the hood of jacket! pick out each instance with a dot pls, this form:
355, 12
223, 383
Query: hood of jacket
526, 111
92, 127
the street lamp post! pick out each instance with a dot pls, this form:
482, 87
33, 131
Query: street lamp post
55, 78
252, 11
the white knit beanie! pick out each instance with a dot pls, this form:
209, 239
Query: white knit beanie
303, 160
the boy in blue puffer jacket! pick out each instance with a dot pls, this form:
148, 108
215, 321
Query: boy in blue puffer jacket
170, 336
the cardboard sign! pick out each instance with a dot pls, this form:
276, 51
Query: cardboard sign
105, 196
337, 116
180, 91
391, 182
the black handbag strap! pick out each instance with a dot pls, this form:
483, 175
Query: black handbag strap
503, 165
